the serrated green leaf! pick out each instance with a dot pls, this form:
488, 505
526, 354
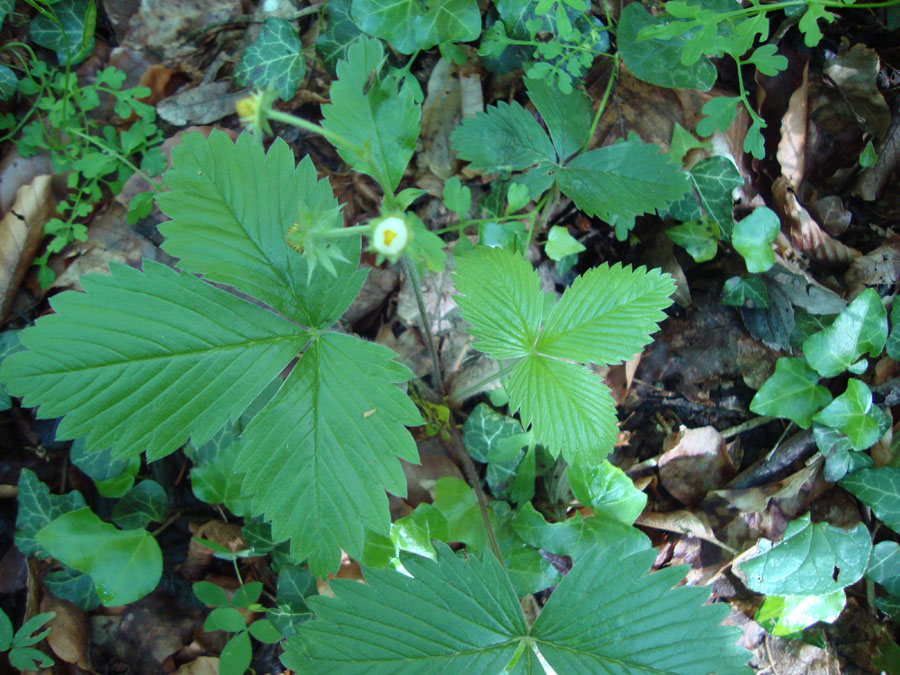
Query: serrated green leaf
719, 113
9, 345
274, 60
715, 180
379, 123
854, 414
570, 408
698, 238
109, 356
410, 25
125, 565
457, 616
457, 197
622, 180
747, 292
561, 244
8, 83
74, 586
753, 237
607, 315
145, 503
568, 116
657, 60
812, 558
231, 205
879, 489
860, 328
504, 138
38, 507
501, 300
785, 615
607, 490
69, 38
792, 392
341, 32
330, 455
884, 566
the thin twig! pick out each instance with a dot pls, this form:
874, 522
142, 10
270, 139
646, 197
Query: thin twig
426, 324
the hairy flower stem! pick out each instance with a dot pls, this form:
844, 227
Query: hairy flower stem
458, 448
413, 276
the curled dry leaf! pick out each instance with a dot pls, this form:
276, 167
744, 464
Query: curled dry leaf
69, 631
684, 522
881, 266
697, 461
874, 178
855, 72
204, 665
21, 231
792, 146
831, 214
805, 233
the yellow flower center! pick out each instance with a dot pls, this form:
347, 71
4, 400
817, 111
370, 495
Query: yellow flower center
389, 236
246, 107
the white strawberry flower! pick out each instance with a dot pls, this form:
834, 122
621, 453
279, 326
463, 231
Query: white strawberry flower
390, 236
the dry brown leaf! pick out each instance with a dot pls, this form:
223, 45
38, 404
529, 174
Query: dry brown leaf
881, 266
855, 72
204, 665
69, 631
831, 214
792, 146
21, 232
697, 461
204, 104
16, 171
874, 178
683, 522
805, 233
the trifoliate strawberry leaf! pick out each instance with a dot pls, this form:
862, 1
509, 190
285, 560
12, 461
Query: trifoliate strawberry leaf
879, 489
811, 558
410, 25
274, 61
453, 615
137, 362
792, 392
341, 32
501, 300
231, 205
329, 440
374, 125
125, 565
860, 328
607, 315
753, 237
854, 414
568, 116
503, 139
37, 507
622, 181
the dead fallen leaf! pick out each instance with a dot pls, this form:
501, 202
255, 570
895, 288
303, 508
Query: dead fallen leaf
16, 171
204, 665
204, 104
697, 461
684, 522
792, 146
855, 72
69, 630
21, 232
874, 178
831, 214
881, 266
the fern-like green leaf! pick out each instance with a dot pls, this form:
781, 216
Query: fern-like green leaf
142, 361
607, 314
454, 616
604, 317
378, 123
328, 441
231, 205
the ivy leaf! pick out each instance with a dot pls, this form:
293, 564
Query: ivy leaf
74, 586
753, 237
607, 490
560, 243
812, 558
328, 440
380, 123
785, 615
73, 37
294, 585
892, 346
143, 504
861, 327
504, 138
410, 25
854, 414
658, 60
333, 42
110, 357
879, 489
229, 225
747, 292
884, 566
568, 116
213, 479
8, 83
274, 60
792, 392
622, 180
37, 507
698, 238
715, 179
125, 565
456, 616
